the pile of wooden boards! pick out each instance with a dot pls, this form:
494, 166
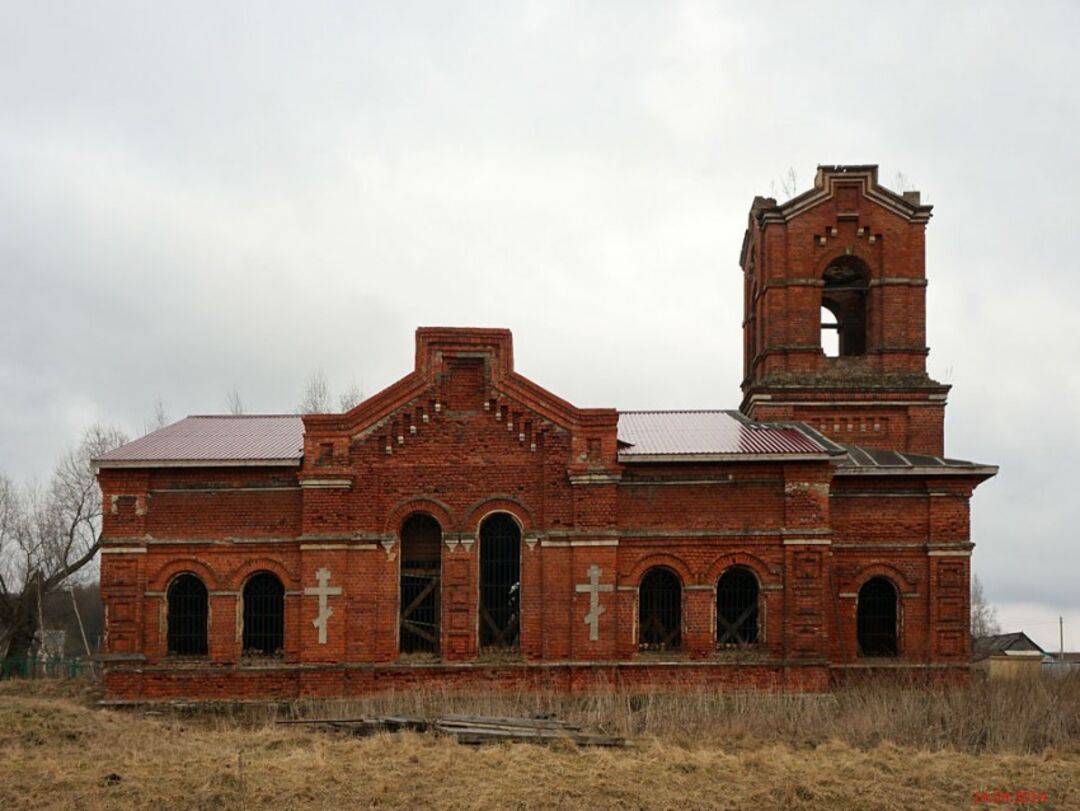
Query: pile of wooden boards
468, 729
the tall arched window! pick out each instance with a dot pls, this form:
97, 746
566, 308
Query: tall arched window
188, 611
737, 608
876, 618
421, 563
264, 616
660, 611
843, 306
500, 583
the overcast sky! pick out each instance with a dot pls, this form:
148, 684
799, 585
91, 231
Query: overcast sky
200, 196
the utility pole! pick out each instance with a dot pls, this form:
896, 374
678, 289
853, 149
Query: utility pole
1061, 638
78, 616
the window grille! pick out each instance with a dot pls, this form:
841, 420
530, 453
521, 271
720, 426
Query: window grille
660, 611
737, 608
500, 583
264, 616
421, 560
188, 614
876, 618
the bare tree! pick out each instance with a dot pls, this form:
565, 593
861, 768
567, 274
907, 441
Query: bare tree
233, 403
789, 183
315, 398
984, 621
901, 184
48, 537
350, 397
786, 186
159, 419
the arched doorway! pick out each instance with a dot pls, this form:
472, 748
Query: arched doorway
421, 568
500, 583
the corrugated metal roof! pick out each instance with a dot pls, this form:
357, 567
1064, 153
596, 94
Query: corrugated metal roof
708, 433
984, 646
264, 439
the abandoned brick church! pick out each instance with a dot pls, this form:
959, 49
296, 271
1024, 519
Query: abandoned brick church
467, 528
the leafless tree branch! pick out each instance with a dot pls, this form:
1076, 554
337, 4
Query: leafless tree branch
48, 535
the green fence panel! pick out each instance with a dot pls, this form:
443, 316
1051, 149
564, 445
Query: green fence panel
60, 667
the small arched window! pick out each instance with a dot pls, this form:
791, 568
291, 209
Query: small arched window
876, 618
264, 616
660, 611
188, 612
846, 282
737, 608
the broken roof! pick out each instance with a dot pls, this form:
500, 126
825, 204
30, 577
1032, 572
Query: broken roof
858, 460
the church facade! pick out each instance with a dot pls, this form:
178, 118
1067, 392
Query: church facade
467, 528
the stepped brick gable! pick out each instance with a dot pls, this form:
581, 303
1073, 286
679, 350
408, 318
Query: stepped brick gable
467, 528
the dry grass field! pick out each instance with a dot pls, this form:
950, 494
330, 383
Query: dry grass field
900, 748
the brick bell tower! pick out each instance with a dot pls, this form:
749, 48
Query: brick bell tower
834, 329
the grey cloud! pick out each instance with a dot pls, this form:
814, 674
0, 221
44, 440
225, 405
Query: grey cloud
203, 196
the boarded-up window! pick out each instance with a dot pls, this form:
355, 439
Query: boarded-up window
421, 562
737, 608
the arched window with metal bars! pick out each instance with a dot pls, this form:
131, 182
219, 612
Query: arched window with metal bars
421, 564
876, 617
188, 612
264, 616
500, 583
737, 608
660, 611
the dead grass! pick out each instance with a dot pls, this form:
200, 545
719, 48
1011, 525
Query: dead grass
699, 751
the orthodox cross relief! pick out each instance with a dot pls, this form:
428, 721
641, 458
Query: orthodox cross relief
593, 589
323, 591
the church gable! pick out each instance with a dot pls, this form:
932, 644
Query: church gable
463, 427
464, 395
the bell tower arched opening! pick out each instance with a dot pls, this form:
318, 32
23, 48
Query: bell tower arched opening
844, 296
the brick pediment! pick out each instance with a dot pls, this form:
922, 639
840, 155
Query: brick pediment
463, 385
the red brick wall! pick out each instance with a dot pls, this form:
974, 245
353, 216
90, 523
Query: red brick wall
808, 538
459, 449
